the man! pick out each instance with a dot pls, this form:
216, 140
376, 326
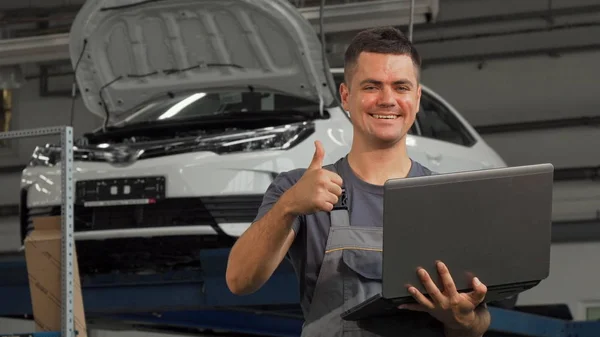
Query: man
336, 253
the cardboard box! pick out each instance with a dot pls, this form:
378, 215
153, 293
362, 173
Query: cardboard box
43, 256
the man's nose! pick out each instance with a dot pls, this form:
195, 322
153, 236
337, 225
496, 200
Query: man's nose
386, 97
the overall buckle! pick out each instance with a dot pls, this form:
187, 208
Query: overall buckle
342, 201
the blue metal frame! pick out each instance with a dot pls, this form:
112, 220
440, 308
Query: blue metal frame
184, 290
201, 299
33, 334
238, 321
582, 329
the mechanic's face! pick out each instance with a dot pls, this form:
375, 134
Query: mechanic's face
382, 97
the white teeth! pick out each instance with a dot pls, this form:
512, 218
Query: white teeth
385, 116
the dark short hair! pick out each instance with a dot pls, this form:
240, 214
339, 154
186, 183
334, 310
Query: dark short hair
383, 40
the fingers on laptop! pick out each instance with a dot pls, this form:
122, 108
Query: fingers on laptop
449, 287
437, 298
436, 295
446, 279
445, 298
422, 302
479, 291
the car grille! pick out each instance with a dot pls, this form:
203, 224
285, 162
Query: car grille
164, 213
153, 254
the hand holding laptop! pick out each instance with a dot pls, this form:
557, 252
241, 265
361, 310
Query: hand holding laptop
456, 310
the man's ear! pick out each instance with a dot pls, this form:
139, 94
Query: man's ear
344, 92
418, 98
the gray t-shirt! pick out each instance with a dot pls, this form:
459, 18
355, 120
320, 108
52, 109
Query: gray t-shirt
366, 209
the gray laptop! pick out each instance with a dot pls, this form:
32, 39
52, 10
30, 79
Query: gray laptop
494, 224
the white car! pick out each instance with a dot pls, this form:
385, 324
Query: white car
204, 106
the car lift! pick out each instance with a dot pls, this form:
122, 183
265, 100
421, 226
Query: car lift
200, 299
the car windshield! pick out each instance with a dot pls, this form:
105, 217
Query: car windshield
204, 104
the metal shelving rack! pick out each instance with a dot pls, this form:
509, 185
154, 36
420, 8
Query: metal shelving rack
67, 247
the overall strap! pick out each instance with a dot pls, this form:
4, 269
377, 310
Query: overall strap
340, 215
340, 218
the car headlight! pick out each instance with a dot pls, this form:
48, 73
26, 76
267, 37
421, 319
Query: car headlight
271, 138
48, 155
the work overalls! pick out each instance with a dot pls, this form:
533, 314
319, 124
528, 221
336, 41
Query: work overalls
350, 273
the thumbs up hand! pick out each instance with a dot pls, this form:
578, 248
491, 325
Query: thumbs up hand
317, 160
318, 189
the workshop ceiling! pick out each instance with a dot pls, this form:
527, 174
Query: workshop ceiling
38, 31
457, 31
40, 17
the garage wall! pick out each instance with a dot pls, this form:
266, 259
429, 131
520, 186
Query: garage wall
574, 279
10, 184
565, 148
528, 89
520, 89
32, 111
10, 237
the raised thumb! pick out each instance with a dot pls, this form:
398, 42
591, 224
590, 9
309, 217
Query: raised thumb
317, 161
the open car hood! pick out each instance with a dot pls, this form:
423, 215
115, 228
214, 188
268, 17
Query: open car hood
129, 52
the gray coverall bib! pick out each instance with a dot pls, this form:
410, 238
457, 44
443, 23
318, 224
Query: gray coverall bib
350, 273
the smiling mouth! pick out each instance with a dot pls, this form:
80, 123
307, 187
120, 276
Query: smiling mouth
384, 116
